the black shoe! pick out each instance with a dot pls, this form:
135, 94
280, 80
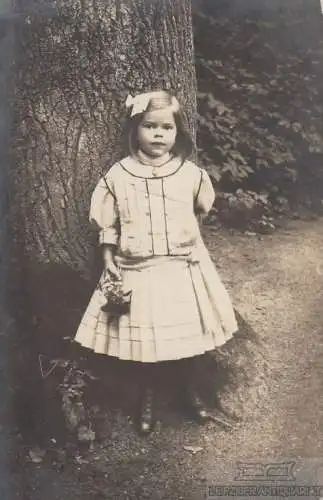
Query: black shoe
145, 418
195, 406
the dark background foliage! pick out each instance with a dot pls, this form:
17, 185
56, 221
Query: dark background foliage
259, 71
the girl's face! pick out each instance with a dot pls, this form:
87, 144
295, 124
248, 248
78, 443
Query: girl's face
157, 132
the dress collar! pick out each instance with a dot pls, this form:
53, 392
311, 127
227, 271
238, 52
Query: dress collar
137, 169
152, 162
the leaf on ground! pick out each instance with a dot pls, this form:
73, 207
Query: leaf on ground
193, 449
80, 460
37, 455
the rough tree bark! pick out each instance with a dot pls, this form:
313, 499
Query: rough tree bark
74, 71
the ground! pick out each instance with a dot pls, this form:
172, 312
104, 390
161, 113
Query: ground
276, 284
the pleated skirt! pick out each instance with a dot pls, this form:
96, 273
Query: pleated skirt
179, 309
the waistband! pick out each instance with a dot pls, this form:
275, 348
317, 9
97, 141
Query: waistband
138, 264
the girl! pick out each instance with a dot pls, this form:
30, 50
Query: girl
145, 209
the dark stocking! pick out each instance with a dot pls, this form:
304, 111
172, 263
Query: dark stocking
189, 393
145, 411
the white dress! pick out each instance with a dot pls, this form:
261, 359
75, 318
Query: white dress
179, 306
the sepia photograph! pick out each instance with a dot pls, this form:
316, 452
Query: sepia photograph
161, 259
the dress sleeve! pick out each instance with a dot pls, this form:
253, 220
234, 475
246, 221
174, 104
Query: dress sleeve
204, 196
104, 213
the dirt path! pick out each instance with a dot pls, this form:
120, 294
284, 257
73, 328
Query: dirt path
276, 283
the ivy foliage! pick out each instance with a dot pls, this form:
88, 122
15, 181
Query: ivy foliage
260, 102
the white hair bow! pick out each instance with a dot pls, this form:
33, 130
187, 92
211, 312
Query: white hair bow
140, 102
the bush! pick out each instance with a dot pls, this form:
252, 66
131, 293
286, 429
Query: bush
259, 107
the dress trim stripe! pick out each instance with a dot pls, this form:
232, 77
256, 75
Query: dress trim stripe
165, 216
108, 188
152, 176
199, 188
150, 218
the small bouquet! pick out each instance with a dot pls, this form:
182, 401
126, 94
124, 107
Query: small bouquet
117, 301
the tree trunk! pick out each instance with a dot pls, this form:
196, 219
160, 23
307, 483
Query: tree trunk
75, 70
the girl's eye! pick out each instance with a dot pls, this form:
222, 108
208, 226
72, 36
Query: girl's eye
148, 125
167, 126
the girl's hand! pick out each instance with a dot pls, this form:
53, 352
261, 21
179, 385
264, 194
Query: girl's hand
109, 262
111, 268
